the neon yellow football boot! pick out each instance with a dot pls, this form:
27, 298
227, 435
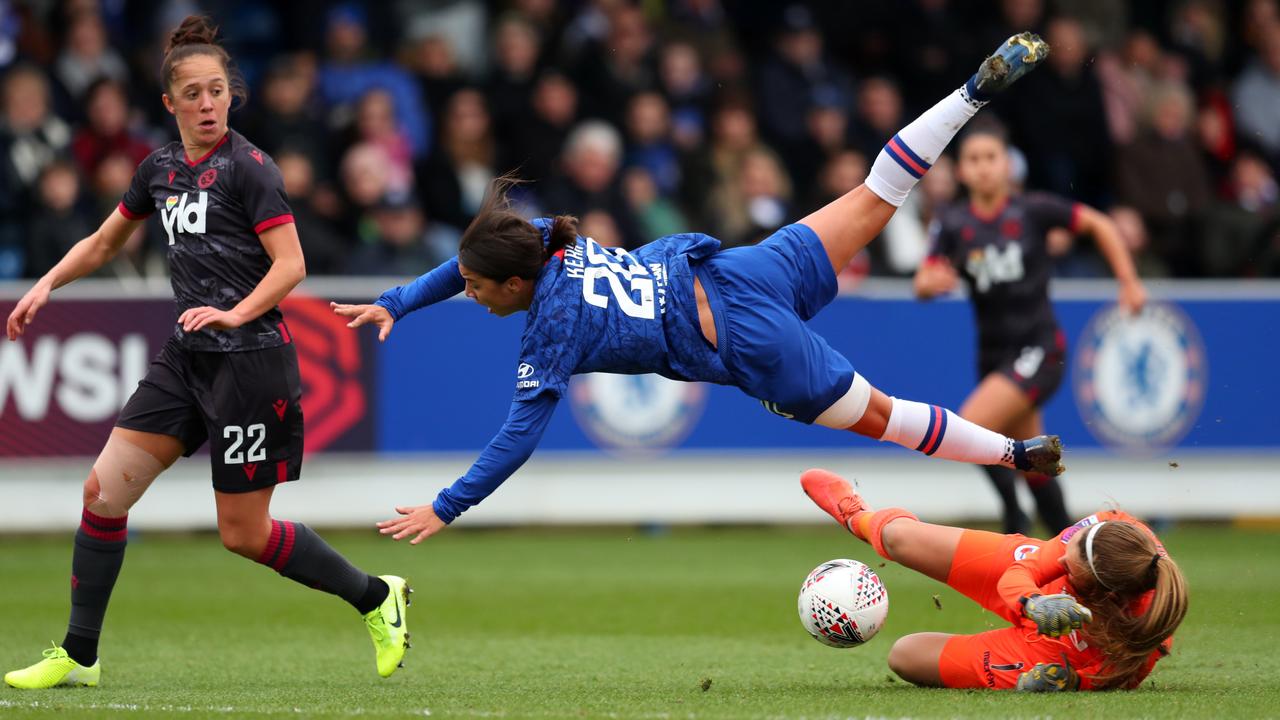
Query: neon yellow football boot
388, 627
55, 669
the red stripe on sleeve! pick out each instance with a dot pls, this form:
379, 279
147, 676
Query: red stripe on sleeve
282, 471
272, 222
131, 215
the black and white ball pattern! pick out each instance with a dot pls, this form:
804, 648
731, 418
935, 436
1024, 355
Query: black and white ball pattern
843, 603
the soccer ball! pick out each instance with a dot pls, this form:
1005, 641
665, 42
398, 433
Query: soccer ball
843, 603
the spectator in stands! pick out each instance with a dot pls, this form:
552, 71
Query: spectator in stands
436, 67
841, 173
86, 56
403, 243
509, 89
1241, 228
144, 253
1126, 79
325, 250
538, 141
1163, 176
687, 88
376, 124
600, 226
610, 72
589, 179
649, 142
826, 134
285, 114
1058, 119
107, 129
454, 178
789, 79
656, 216
879, 114
1257, 96
757, 204
350, 71
31, 137
60, 220
365, 183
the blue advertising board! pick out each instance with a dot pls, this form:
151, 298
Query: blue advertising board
1194, 372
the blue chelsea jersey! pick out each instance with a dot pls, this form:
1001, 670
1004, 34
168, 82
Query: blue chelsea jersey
598, 309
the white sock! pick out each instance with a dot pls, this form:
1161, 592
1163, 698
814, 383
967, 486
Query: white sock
909, 154
936, 431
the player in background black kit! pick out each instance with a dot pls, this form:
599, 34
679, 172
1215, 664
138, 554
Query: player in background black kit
228, 375
996, 241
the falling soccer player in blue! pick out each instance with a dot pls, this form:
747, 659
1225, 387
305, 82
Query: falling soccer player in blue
682, 308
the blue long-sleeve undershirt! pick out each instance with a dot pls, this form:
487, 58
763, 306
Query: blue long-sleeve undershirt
440, 284
505, 453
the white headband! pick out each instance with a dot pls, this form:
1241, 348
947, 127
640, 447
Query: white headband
1088, 551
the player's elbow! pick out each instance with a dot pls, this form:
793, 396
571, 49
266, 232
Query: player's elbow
294, 268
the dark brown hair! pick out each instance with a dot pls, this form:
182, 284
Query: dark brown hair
985, 128
197, 35
500, 244
1129, 564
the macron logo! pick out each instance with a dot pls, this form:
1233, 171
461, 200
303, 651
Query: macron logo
181, 216
522, 377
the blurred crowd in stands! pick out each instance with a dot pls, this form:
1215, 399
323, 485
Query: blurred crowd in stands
650, 117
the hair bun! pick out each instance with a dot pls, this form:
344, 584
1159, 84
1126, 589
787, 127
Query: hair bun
194, 30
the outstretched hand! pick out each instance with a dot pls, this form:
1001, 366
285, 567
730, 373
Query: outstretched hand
1133, 296
362, 314
419, 521
24, 313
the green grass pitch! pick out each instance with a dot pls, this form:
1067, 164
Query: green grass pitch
613, 622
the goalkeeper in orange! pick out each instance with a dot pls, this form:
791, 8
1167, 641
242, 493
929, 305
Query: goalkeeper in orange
1091, 609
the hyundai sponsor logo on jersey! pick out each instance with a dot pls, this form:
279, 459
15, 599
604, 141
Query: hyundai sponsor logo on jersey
636, 412
1140, 379
523, 373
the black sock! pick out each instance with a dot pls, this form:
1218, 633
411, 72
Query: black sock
296, 552
95, 565
1005, 481
1049, 502
374, 594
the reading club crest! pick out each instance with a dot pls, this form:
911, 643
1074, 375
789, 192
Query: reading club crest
642, 413
1140, 380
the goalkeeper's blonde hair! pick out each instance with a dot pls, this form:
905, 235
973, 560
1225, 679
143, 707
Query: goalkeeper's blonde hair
1129, 563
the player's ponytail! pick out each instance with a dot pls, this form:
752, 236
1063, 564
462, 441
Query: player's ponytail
1128, 564
564, 232
197, 35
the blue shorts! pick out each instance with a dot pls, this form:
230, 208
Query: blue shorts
761, 296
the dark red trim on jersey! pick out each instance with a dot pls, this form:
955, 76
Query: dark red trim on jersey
284, 333
205, 156
272, 222
131, 215
104, 529
997, 212
1075, 218
282, 471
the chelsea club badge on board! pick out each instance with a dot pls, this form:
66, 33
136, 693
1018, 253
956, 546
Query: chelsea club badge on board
1140, 380
636, 413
